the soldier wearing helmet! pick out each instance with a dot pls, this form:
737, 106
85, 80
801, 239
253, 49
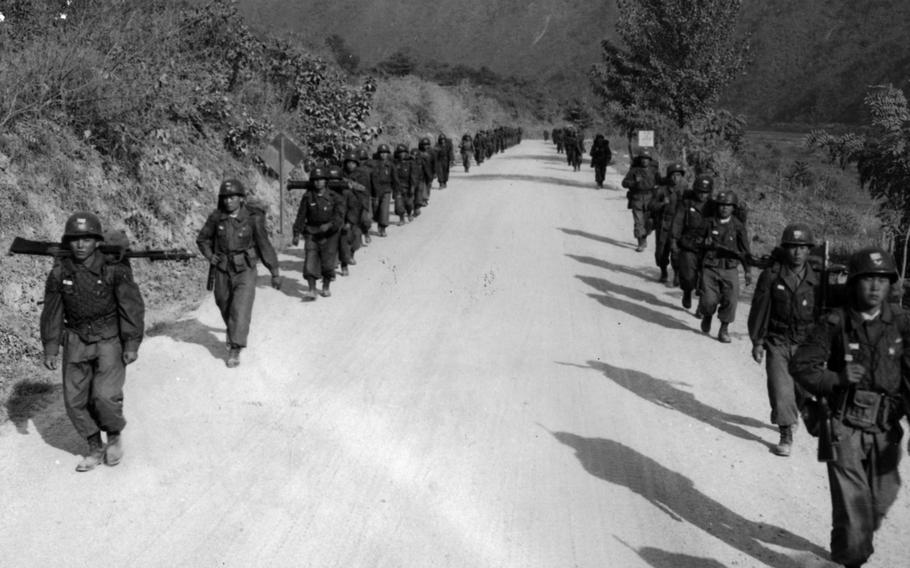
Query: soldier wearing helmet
359, 179
320, 217
362, 174
425, 159
409, 174
466, 148
687, 234
350, 205
663, 210
726, 245
641, 181
856, 357
445, 157
384, 182
786, 303
234, 239
601, 156
94, 309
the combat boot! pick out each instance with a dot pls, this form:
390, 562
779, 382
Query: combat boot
310, 294
687, 299
113, 452
233, 359
367, 239
786, 441
675, 278
344, 270
95, 454
642, 243
723, 335
325, 289
664, 275
401, 221
706, 324
382, 231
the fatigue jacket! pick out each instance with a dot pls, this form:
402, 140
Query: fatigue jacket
241, 233
784, 305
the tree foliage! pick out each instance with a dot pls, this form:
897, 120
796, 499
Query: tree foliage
343, 54
675, 58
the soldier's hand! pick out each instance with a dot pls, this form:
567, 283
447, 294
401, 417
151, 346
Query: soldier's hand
276, 282
758, 353
216, 258
295, 240
325, 227
129, 357
50, 362
852, 374
674, 248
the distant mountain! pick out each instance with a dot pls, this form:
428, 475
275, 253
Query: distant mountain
811, 59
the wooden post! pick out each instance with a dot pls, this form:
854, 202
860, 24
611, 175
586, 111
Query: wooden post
281, 188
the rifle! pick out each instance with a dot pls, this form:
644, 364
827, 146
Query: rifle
117, 251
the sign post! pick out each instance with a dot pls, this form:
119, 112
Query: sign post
645, 138
282, 155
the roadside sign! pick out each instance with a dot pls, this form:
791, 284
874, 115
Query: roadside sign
646, 138
282, 155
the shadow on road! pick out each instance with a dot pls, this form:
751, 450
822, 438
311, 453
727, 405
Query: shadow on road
664, 393
41, 404
676, 495
193, 331
642, 313
647, 273
545, 180
598, 238
662, 559
608, 287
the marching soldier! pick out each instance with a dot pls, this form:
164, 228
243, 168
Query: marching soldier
384, 182
362, 175
467, 151
687, 235
663, 210
319, 219
856, 358
785, 305
95, 310
409, 173
350, 206
445, 156
359, 180
641, 180
233, 238
601, 155
425, 157
726, 245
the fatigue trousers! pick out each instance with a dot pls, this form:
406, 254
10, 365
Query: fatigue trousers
600, 174
864, 483
381, 209
442, 170
720, 292
404, 204
348, 244
786, 397
641, 219
466, 161
689, 269
321, 256
234, 295
662, 255
93, 377
422, 195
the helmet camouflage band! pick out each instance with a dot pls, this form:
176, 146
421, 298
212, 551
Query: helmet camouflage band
797, 234
871, 261
231, 187
82, 224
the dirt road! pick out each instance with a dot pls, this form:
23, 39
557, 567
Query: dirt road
502, 383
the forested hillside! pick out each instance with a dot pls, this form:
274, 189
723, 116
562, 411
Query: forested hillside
811, 60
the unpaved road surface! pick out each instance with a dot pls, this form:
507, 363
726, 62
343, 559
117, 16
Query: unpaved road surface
502, 383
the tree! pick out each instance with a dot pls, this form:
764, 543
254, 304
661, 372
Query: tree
676, 57
577, 113
345, 58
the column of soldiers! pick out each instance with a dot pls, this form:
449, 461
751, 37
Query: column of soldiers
836, 360
485, 143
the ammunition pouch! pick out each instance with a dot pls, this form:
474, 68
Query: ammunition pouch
868, 410
814, 413
104, 327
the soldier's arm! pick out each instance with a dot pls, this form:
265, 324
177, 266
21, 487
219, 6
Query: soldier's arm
205, 240
338, 213
264, 245
300, 220
809, 365
130, 308
52, 315
628, 182
760, 311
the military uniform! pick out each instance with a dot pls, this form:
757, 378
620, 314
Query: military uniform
234, 243
384, 182
601, 155
320, 218
687, 235
467, 151
864, 477
641, 181
785, 305
95, 310
726, 243
362, 175
445, 156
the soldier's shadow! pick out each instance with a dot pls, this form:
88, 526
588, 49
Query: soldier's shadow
647, 273
608, 287
40, 405
663, 393
676, 496
598, 238
193, 331
292, 287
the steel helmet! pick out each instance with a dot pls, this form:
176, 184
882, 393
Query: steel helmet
673, 168
726, 198
383, 148
352, 157
425, 141
82, 224
334, 172
402, 148
797, 234
363, 155
441, 138
231, 187
644, 153
871, 261
703, 184
318, 173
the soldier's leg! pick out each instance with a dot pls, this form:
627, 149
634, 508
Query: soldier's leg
242, 306
312, 263
729, 294
382, 212
638, 223
710, 288
355, 237
884, 473
328, 256
688, 270
345, 252
781, 389
78, 370
107, 386
222, 291
852, 509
